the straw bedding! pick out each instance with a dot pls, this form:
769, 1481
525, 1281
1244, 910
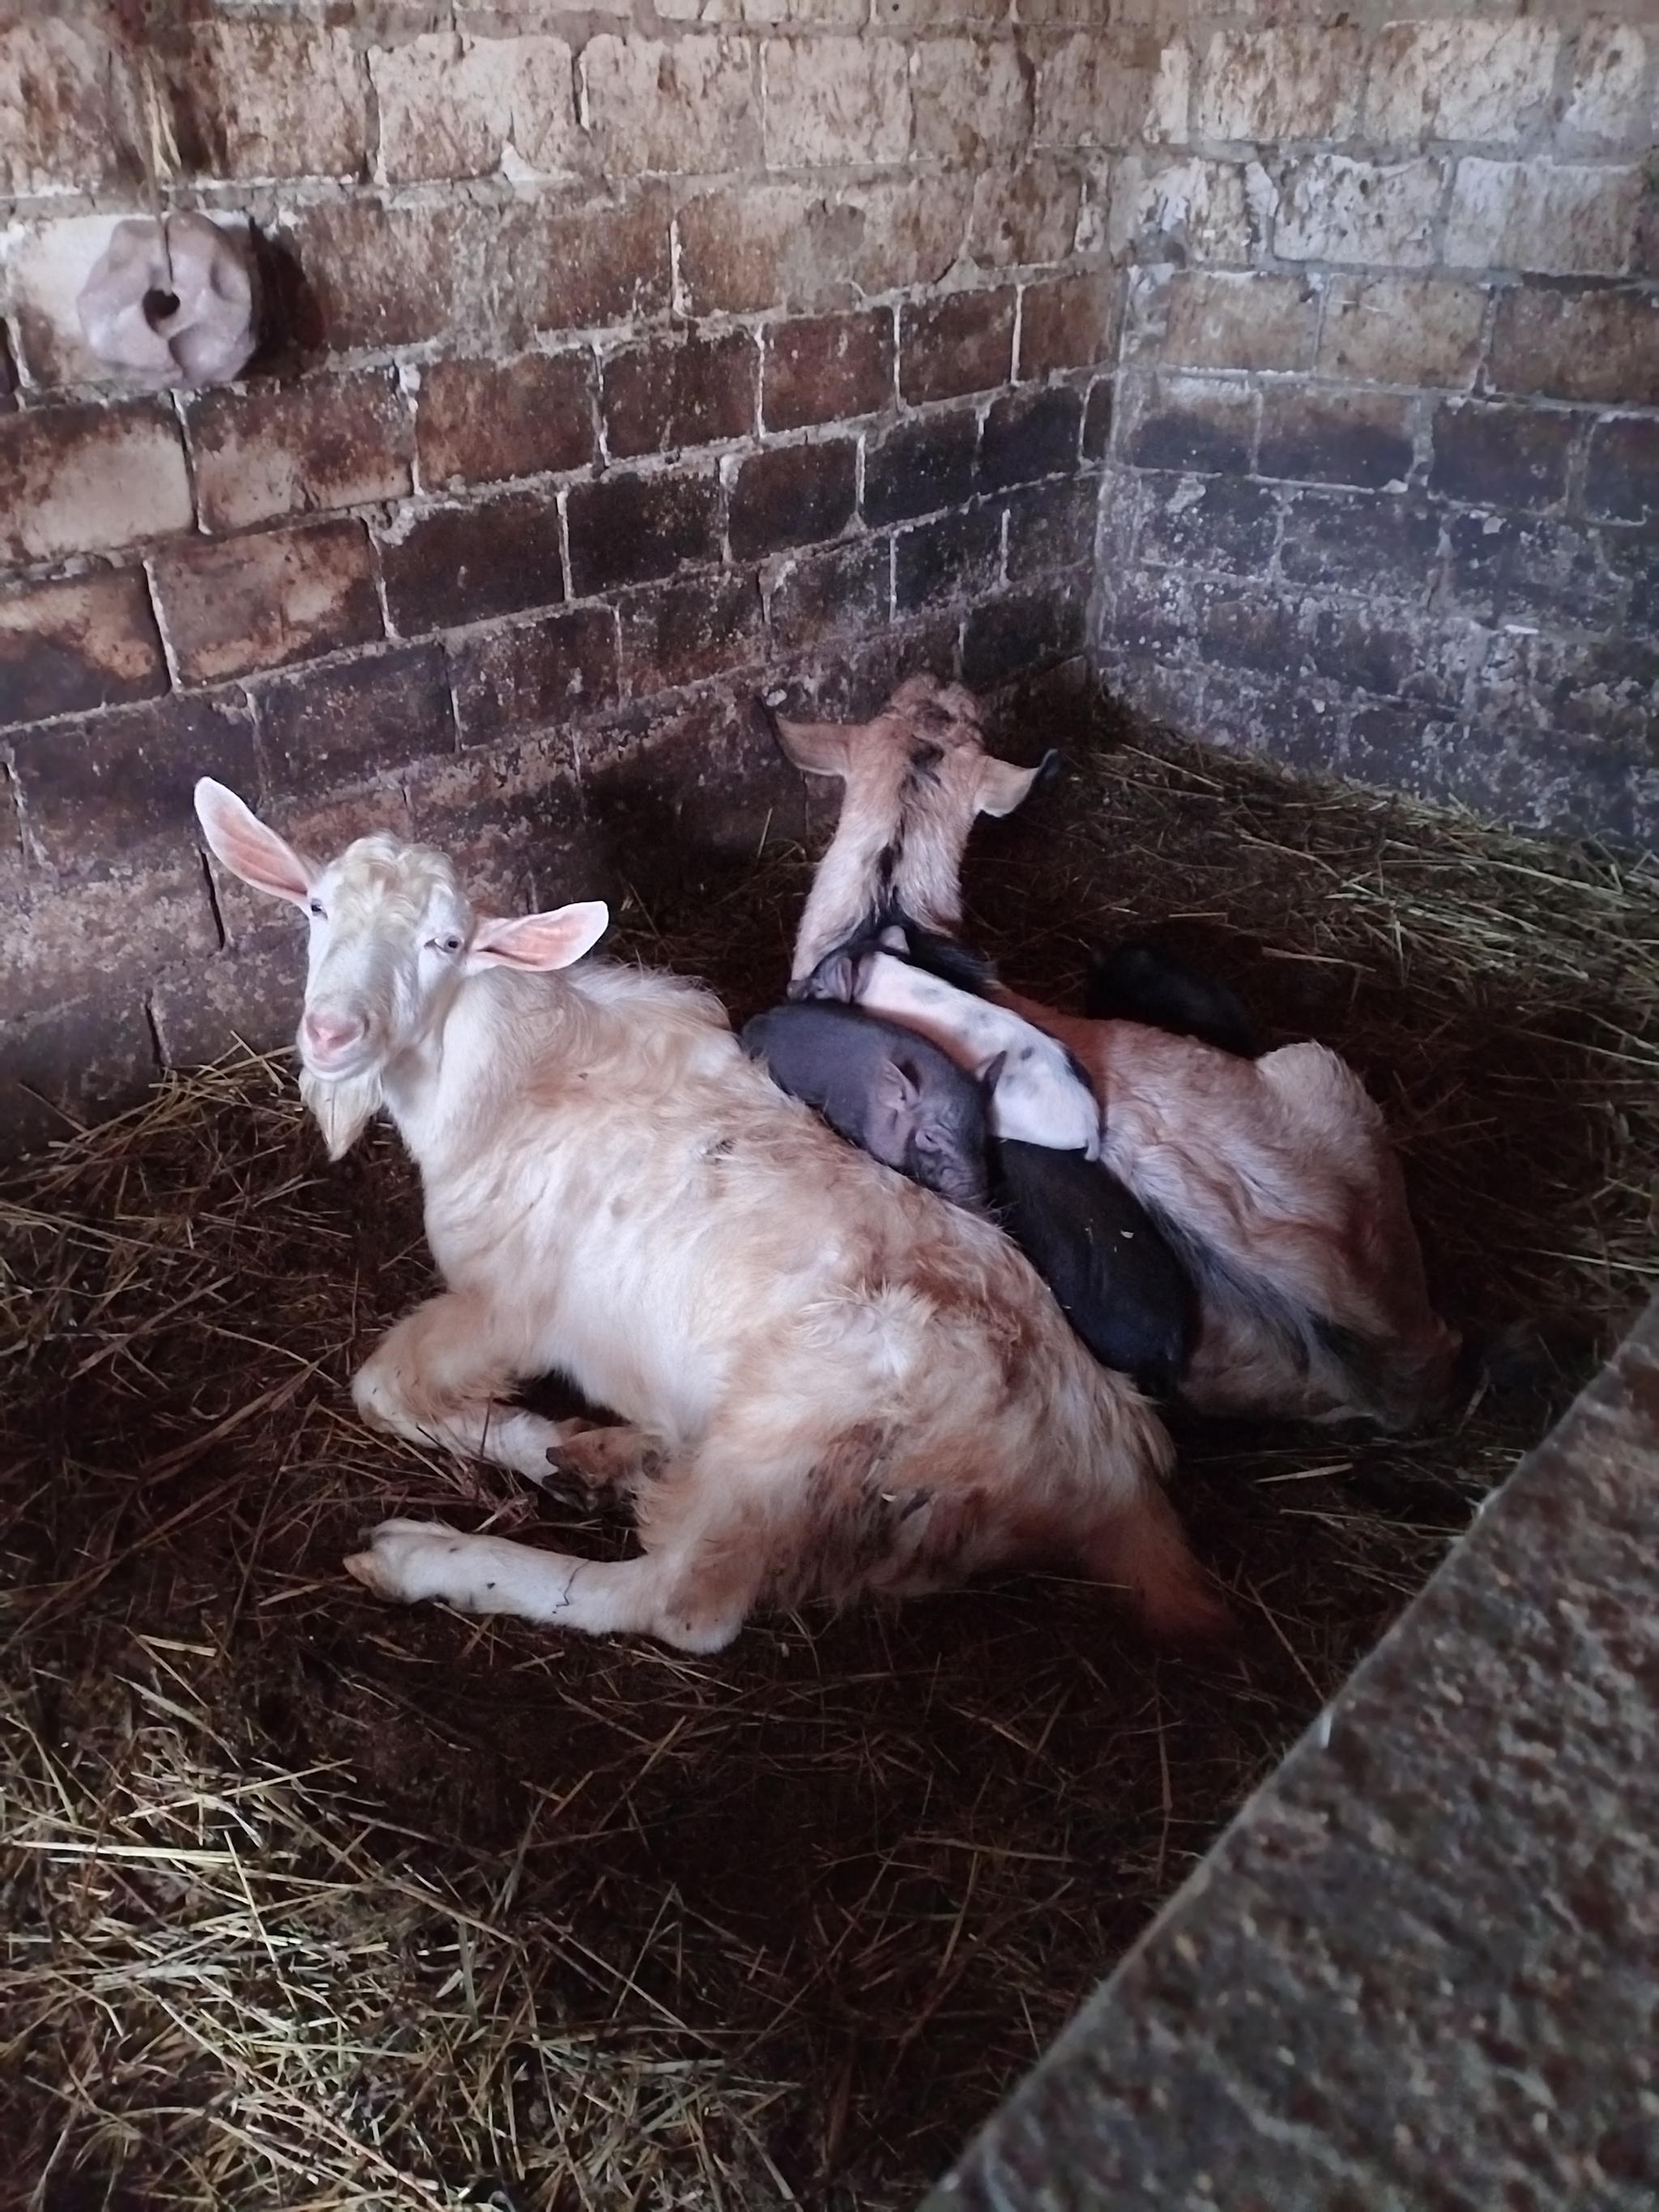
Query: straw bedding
308, 1902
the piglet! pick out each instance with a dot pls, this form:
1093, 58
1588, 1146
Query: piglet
1039, 1093
1139, 982
891, 1093
1100, 1253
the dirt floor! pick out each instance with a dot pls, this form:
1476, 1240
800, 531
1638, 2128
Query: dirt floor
309, 1902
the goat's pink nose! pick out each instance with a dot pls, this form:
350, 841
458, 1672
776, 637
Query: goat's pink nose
331, 1033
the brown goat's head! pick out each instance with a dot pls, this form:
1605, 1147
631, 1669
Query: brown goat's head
916, 777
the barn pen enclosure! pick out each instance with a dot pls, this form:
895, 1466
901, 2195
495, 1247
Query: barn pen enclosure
450, 419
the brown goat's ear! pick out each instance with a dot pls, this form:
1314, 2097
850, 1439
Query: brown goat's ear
1002, 787
816, 748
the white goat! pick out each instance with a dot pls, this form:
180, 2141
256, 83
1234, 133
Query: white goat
1274, 1178
832, 1380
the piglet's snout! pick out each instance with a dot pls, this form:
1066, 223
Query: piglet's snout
328, 1034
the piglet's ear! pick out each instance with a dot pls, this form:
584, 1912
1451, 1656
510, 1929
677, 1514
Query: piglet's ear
539, 941
1002, 787
257, 855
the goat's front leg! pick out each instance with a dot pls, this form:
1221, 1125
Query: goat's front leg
670, 1595
441, 1378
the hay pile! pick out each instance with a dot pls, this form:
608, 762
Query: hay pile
312, 1903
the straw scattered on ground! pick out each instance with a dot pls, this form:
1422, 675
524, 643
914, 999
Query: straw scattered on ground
309, 1902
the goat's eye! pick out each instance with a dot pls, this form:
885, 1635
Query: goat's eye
319, 912
452, 943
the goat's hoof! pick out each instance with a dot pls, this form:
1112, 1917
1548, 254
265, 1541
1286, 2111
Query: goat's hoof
408, 1560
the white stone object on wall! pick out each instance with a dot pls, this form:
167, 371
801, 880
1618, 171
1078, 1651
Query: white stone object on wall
171, 303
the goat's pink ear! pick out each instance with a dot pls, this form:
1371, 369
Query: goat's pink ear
238, 837
539, 940
1002, 787
816, 748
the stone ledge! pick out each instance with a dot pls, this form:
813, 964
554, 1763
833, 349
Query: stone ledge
1421, 1967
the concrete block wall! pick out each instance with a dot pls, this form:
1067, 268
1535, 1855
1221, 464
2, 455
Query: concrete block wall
1383, 486
623, 357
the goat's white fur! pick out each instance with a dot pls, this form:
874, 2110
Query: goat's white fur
1275, 1177
832, 1380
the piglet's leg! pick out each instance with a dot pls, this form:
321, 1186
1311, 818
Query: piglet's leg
650, 1596
438, 1378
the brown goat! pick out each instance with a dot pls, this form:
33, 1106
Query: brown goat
1274, 1178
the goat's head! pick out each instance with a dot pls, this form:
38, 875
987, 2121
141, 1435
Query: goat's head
393, 937
915, 777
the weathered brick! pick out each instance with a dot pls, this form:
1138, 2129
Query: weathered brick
1219, 320
67, 647
1025, 214
847, 589
116, 931
1334, 436
456, 106
8, 376
1404, 749
1098, 418
696, 626
972, 99
478, 421
1508, 569
920, 467
1236, 626
631, 530
513, 821
756, 247
960, 344
1379, 214
327, 442
1369, 543
792, 496
1459, 81
1607, 104
57, 124
340, 725
955, 556
1222, 524
825, 369
450, 565
1633, 556
667, 394
1024, 631
1070, 323
1052, 526
1501, 456
1169, 697
531, 674
96, 789
1402, 329
669, 108
832, 101
1363, 648
269, 100
1549, 218
1181, 422
89, 480
381, 275
252, 993
1577, 342
85, 1058
1622, 477
1087, 96
235, 605
1301, 83
1028, 435
1190, 211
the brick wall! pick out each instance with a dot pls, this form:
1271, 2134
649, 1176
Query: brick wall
1296, 364
1384, 484
620, 360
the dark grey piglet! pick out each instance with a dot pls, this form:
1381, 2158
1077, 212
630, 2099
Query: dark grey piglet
882, 1087
1104, 1258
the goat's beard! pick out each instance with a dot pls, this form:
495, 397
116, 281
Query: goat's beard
343, 1107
